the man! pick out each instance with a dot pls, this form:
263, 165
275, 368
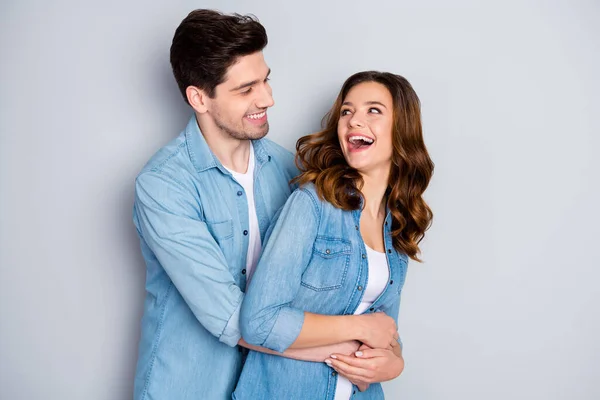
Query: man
203, 202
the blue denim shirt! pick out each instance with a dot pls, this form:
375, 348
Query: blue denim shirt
192, 220
315, 260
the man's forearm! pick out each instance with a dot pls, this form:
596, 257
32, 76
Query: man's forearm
316, 354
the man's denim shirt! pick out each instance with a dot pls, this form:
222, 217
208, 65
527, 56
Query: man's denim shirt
192, 220
314, 260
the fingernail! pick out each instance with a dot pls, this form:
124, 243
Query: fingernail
332, 356
359, 354
328, 362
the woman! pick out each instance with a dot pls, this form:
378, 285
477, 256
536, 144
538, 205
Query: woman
338, 253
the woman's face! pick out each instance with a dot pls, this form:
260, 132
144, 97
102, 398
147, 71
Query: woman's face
365, 128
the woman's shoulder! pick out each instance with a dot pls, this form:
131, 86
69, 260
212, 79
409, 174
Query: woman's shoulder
310, 190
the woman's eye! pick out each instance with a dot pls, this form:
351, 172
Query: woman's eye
374, 110
345, 112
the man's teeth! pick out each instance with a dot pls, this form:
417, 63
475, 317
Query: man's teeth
256, 116
354, 139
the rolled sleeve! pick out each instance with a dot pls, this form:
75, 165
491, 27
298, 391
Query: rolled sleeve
286, 329
231, 335
166, 215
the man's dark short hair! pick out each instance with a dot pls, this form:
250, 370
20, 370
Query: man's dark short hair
208, 42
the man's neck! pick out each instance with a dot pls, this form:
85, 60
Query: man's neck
233, 153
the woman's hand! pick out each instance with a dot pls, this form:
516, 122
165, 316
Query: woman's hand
368, 365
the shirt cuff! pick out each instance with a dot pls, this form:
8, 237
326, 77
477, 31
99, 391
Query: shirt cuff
286, 329
231, 335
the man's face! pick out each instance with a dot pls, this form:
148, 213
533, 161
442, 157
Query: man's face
239, 108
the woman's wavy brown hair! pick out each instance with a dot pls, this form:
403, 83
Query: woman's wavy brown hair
321, 161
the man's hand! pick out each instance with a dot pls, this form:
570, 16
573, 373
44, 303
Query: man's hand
378, 330
367, 365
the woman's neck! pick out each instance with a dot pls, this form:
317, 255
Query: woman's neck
373, 191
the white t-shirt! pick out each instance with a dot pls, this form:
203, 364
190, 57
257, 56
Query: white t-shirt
379, 273
254, 243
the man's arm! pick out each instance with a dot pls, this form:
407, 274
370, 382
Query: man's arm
167, 216
316, 354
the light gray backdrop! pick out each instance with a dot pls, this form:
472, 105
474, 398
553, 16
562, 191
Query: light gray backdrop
506, 305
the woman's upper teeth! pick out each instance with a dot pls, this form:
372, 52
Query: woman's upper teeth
354, 139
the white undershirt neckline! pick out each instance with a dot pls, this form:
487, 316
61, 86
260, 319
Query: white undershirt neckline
246, 180
378, 276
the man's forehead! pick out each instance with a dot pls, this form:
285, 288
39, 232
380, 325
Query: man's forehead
246, 69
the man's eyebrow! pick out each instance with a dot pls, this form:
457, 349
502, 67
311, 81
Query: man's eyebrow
370, 103
251, 83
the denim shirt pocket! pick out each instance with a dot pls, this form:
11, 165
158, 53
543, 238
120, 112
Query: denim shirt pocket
328, 265
222, 231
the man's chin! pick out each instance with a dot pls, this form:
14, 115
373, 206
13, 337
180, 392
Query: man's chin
260, 132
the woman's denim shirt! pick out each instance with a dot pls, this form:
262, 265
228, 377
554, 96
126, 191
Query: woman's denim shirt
315, 260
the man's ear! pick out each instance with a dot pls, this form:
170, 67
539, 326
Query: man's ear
197, 98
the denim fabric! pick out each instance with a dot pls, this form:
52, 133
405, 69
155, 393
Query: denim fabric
192, 220
314, 260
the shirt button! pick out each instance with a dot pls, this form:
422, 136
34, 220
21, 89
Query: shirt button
364, 256
239, 193
333, 373
386, 223
390, 251
356, 226
372, 309
245, 233
244, 271
392, 282
327, 251
359, 288
354, 392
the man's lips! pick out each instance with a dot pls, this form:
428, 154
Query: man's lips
257, 118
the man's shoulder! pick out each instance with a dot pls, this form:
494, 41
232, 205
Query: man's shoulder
170, 158
283, 158
275, 150
169, 170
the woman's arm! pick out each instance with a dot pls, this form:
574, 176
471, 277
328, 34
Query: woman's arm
376, 329
267, 317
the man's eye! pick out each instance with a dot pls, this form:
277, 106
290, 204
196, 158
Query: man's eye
247, 91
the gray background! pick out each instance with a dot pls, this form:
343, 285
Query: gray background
507, 302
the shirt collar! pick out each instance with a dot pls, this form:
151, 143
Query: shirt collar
203, 158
